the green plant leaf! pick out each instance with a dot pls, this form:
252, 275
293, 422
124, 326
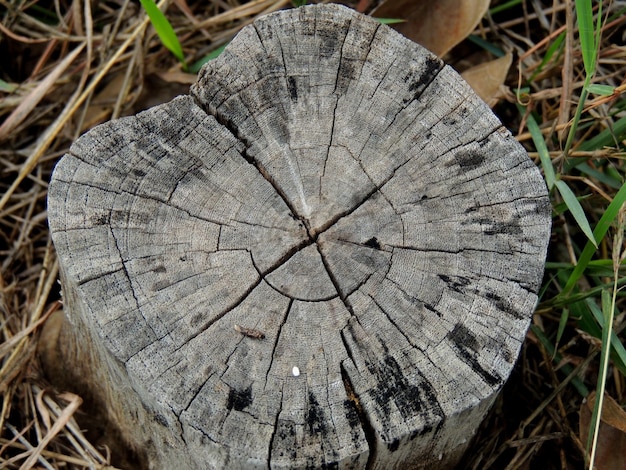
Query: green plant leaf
604, 90
8, 87
542, 149
584, 13
164, 29
196, 66
617, 348
390, 20
576, 210
598, 233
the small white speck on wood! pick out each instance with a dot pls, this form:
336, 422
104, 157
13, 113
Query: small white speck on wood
343, 191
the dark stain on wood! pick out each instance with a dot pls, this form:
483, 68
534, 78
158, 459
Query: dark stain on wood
410, 399
511, 227
159, 418
432, 309
456, 283
293, 88
239, 399
315, 417
468, 348
469, 160
373, 243
432, 66
503, 304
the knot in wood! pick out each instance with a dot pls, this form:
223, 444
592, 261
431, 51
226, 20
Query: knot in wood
337, 189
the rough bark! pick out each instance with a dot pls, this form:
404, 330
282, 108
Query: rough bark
327, 255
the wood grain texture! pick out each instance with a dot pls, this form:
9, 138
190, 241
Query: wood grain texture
335, 188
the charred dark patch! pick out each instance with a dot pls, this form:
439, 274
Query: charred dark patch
239, 399
352, 414
456, 284
468, 160
315, 417
330, 44
159, 418
373, 243
411, 399
511, 227
99, 220
467, 348
393, 445
285, 433
293, 88
432, 309
345, 75
503, 304
432, 66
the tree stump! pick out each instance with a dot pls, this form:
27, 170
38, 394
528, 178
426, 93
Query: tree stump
326, 256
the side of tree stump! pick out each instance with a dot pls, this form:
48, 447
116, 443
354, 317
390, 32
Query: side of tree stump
326, 256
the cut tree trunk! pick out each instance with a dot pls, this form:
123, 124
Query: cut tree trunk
326, 256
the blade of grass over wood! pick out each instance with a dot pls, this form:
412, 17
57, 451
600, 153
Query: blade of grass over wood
196, 66
390, 20
576, 210
164, 29
542, 149
598, 234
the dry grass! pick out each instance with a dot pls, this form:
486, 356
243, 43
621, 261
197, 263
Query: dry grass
68, 65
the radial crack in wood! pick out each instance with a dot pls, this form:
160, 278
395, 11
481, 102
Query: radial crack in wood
326, 256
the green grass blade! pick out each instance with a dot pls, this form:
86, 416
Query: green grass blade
504, 6
608, 306
542, 149
486, 45
556, 47
607, 138
164, 29
617, 348
390, 20
196, 66
603, 90
604, 178
584, 14
576, 210
7, 87
598, 234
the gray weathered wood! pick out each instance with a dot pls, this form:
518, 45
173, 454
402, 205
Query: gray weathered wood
328, 254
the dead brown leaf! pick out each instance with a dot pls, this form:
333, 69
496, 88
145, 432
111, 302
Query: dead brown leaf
611, 447
438, 25
487, 78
